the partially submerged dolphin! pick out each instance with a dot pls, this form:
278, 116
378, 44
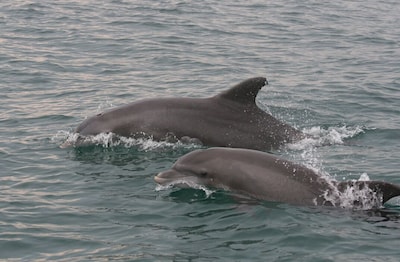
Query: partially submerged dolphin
266, 177
229, 119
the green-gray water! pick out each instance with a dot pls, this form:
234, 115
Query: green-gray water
333, 70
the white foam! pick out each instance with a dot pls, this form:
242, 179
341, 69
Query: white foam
364, 177
360, 199
68, 139
185, 183
354, 197
318, 136
65, 138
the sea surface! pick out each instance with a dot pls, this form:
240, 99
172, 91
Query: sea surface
333, 70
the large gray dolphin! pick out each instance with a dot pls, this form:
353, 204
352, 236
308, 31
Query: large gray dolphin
229, 119
266, 177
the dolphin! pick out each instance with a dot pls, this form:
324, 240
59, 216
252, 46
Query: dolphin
266, 177
228, 119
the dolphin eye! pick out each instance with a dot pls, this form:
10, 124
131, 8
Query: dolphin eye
203, 173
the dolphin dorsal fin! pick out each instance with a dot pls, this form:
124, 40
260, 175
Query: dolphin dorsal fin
245, 92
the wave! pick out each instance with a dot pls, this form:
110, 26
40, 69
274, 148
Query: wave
67, 139
316, 137
319, 136
186, 184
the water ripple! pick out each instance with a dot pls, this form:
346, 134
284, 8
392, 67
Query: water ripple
332, 69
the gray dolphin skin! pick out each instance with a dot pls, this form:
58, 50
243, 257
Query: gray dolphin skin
265, 177
229, 119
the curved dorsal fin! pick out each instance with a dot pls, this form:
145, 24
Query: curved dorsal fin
246, 91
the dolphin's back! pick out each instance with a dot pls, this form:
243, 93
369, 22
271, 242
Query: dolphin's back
229, 119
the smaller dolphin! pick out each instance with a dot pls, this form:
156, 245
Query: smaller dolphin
266, 177
228, 119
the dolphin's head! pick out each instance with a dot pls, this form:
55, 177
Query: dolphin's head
200, 167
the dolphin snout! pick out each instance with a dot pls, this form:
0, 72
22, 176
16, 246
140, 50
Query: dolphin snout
167, 177
176, 178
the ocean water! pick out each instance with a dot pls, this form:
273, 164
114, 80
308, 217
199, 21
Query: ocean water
333, 71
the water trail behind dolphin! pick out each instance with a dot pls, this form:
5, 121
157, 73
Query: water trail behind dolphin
307, 152
319, 136
67, 139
